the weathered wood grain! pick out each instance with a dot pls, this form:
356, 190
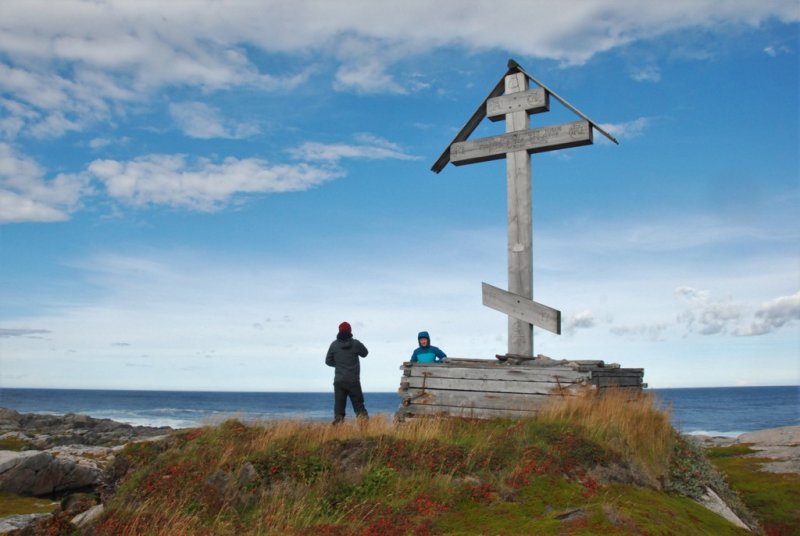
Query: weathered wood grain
618, 371
470, 413
535, 140
531, 101
637, 376
518, 374
623, 381
472, 399
522, 308
483, 388
495, 386
519, 191
460, 362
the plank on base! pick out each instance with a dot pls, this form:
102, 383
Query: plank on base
469, 413
491, 386
471, 399
510, 373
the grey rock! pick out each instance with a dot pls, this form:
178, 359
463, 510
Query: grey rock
10, 523
46, 431
713, 502
782, 445
248, 475
88, 517
221, 482
572, 514
39, 473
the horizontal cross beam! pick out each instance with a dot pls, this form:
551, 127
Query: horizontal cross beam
533, 101
535, 140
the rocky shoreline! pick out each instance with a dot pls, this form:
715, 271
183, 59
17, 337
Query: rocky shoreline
60, 457
780, 445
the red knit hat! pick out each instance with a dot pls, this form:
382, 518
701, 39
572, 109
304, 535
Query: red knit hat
344, 327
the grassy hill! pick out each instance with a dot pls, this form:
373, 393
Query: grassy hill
586, 465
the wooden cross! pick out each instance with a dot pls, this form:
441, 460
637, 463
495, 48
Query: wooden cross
512, 100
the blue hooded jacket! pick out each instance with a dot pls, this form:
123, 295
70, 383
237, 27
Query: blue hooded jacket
427, 354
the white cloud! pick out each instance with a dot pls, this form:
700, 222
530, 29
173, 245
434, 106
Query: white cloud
266, 318
173, 306
370, 147
26, 196
774, 51
201, 184
651, 73
16, 209
173, 180
78, 57
707, 314
773, 315
651, 332
99, 143
364, 63
51, 104
582, 320
628, 129
199, 120
10, 127
22, 332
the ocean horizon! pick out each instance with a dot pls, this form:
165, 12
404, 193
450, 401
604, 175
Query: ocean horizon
717, 411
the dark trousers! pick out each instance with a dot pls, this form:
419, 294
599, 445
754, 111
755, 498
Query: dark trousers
341, 391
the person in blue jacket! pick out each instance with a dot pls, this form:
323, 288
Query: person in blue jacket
426, 353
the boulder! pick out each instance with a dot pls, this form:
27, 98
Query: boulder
38, 473
713, 502
88, 517
16, 522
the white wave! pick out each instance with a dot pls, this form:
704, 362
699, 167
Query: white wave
715, 433
155, 422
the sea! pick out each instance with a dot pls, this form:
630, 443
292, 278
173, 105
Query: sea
716, 411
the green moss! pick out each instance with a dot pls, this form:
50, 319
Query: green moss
647, 511
732, 450
14, 443
558, 506
11, 504
772, 497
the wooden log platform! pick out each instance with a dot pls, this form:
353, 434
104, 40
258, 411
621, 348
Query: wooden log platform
511, 386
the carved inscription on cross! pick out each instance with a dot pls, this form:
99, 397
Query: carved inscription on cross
511, 100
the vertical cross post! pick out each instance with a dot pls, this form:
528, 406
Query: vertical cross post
520, 222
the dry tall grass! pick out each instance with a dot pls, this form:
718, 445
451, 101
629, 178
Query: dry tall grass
360, 475
629, 423
315, 433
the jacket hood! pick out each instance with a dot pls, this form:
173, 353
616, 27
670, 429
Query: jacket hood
424, 334
344, 336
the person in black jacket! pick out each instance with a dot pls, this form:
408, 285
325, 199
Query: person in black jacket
343, 355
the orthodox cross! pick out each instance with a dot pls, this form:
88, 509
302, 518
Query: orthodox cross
512, 100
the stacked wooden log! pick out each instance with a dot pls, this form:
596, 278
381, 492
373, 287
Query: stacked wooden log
511, 386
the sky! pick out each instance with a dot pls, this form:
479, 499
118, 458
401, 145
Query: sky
193, 195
